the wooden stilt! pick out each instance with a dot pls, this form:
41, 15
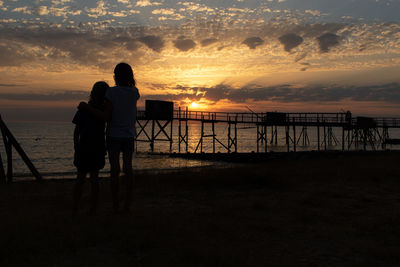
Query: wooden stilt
152, 136
179, 130
343, 141
236, 138
202, 134
230, 138
170, 137
187, 130
9, 161
318, 134
266, 139
287, 138
294, 134
2, 172
213, 131
9, 142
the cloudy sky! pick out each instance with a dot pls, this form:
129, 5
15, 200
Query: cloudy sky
286, 55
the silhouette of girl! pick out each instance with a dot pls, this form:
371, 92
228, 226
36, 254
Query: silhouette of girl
89, 145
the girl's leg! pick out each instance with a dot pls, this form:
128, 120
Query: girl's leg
127, 167
80, 179
115, 170
94, 181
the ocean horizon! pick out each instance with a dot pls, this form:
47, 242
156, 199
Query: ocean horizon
49, 145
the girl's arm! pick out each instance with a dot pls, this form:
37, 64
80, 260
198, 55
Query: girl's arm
102, 115
76, 136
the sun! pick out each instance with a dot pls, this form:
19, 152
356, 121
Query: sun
194, 105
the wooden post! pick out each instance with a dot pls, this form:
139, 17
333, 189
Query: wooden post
324, 135
9, 161
152, 136
9, 142
318, 134
343, 138
213, 132
258, 138
294, 134
266, 139
202, 134
187, 131
179, 130
287, 137
8, 148
170, 137
272, 134
2, 172
236, 135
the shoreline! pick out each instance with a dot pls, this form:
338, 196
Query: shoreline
219, 161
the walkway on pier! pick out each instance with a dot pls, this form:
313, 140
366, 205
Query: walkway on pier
356, 131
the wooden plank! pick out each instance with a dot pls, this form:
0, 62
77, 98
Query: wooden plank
13, 142
2, 172
9, 161
8, 153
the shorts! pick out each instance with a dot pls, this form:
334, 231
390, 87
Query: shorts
115, 145
89, 158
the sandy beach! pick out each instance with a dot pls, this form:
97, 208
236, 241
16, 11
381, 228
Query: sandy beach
331, 209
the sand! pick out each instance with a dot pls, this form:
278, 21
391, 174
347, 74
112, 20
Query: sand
331, 209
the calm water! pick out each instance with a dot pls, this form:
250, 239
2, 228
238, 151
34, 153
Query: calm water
50, 147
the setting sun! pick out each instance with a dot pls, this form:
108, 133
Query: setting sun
194, 105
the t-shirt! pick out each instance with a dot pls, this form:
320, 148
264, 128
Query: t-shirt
91, 129
123, 118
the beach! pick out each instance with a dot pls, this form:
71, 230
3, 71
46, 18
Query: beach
328, 209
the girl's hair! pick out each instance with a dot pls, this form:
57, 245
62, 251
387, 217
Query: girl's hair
123, 75
98, 92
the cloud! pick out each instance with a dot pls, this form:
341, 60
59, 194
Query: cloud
53, 96
163, 11
9, 85
208, 41
290, 41
6, 21
253, 42
313, 12
15, 54
41, 10
99, 10
153, 42
25, 10
144, 3
389, 93
191, 6
184, 44
327, 41
285, 93
72, 46
300, 57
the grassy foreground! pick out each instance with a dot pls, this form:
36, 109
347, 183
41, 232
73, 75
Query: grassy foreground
329, 210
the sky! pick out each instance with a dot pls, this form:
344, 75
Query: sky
271, 55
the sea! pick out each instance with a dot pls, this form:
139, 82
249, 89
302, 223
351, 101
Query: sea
49, 145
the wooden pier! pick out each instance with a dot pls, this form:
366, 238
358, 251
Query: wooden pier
356, 132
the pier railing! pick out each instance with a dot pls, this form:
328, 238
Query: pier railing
298, 118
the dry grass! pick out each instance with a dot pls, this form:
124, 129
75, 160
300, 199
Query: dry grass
332, 210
